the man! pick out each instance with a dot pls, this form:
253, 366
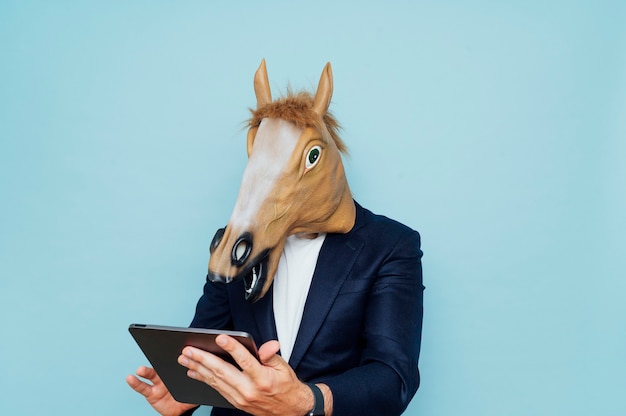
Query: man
343, 293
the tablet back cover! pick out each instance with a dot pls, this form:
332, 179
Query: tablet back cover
163, 345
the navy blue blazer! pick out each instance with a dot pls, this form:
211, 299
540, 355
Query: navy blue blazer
361, 329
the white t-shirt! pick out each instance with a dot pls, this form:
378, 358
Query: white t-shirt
291, 287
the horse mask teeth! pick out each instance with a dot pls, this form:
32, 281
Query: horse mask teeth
253, 282
282, 191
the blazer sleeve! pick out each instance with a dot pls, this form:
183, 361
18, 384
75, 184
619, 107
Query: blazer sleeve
213, 309
387, 377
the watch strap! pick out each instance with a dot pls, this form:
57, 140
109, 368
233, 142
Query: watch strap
318, 404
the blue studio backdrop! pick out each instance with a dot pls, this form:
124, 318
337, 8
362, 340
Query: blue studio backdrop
496, 129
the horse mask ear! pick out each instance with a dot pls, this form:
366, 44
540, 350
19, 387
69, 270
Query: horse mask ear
263, 96
262, 86
324, 91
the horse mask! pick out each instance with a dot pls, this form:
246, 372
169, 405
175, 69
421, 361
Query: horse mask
294, 183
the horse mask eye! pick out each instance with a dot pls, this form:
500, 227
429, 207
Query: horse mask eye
313, 156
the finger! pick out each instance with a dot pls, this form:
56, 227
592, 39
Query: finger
192, 358
246, 361
212, 370
206, 366
139, 386
147, 372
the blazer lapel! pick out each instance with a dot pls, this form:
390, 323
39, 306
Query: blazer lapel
334, 263
263, 311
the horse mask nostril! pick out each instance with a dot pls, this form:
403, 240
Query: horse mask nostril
241, 250
217, 238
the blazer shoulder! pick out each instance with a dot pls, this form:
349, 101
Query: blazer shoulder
377, 223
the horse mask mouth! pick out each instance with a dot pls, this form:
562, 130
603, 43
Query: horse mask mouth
254, 276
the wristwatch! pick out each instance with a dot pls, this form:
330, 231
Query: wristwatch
318, 401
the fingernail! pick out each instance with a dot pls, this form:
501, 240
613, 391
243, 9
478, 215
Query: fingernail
187, 352
221, 341
183, 360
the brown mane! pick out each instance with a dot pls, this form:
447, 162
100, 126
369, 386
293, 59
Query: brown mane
297, 108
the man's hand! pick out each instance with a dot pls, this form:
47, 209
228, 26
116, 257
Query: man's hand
157, 395
269, 387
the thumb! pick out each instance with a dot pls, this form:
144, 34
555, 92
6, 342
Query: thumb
268, 354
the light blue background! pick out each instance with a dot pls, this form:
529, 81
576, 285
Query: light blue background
496, 129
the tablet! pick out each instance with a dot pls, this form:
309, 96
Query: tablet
162, 345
